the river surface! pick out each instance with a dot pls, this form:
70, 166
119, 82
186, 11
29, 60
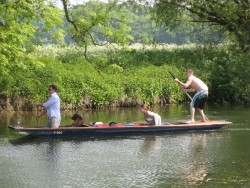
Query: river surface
218, 158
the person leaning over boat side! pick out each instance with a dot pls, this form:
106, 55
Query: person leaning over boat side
52, 108
78, 121
150, 117
199, 98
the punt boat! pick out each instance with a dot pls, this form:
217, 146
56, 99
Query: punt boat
118, 129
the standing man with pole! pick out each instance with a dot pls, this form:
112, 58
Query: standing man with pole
52, 108
199, 98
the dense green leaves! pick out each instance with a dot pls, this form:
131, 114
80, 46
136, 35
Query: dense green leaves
230, 16
98, 23
18, 31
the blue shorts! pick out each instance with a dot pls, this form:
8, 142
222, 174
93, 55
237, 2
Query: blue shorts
199, 99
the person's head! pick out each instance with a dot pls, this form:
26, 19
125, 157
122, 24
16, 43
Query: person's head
52, 88
144, 108
189, 72
76, 117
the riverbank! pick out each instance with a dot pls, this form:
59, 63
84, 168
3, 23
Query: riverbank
126, 77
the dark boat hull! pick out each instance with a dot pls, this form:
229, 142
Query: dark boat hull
119, 130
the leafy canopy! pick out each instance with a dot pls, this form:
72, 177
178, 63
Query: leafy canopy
95, 22
231, 16
18, 30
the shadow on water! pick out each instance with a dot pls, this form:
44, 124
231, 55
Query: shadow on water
24, 140
149, 138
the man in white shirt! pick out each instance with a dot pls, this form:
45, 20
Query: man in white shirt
199, 98
52, 108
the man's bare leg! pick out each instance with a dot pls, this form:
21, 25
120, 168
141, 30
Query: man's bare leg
203, 117
192, 112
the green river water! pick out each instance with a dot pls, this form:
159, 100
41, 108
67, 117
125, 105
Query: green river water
218, 158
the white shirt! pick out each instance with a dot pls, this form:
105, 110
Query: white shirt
53, 106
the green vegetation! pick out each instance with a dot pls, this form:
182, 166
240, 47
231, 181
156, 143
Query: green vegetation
231, 17
93, 73
139, 74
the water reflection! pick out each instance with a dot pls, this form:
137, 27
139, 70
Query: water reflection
53, 150
183, 157
197, 171
23, 140
29, 140
151, 146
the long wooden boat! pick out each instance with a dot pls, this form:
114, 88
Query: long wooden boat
120, 129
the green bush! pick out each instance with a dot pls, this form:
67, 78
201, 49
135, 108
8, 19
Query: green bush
128, 77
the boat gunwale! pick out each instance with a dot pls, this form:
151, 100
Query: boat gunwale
64, 128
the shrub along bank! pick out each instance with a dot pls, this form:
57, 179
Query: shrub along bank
128, 77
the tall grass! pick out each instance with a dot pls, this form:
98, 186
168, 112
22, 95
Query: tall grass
138, 74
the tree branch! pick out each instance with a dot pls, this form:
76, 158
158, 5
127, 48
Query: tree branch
65, 7
82, 35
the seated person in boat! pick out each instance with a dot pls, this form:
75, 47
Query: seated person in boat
78, 121
150, 117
